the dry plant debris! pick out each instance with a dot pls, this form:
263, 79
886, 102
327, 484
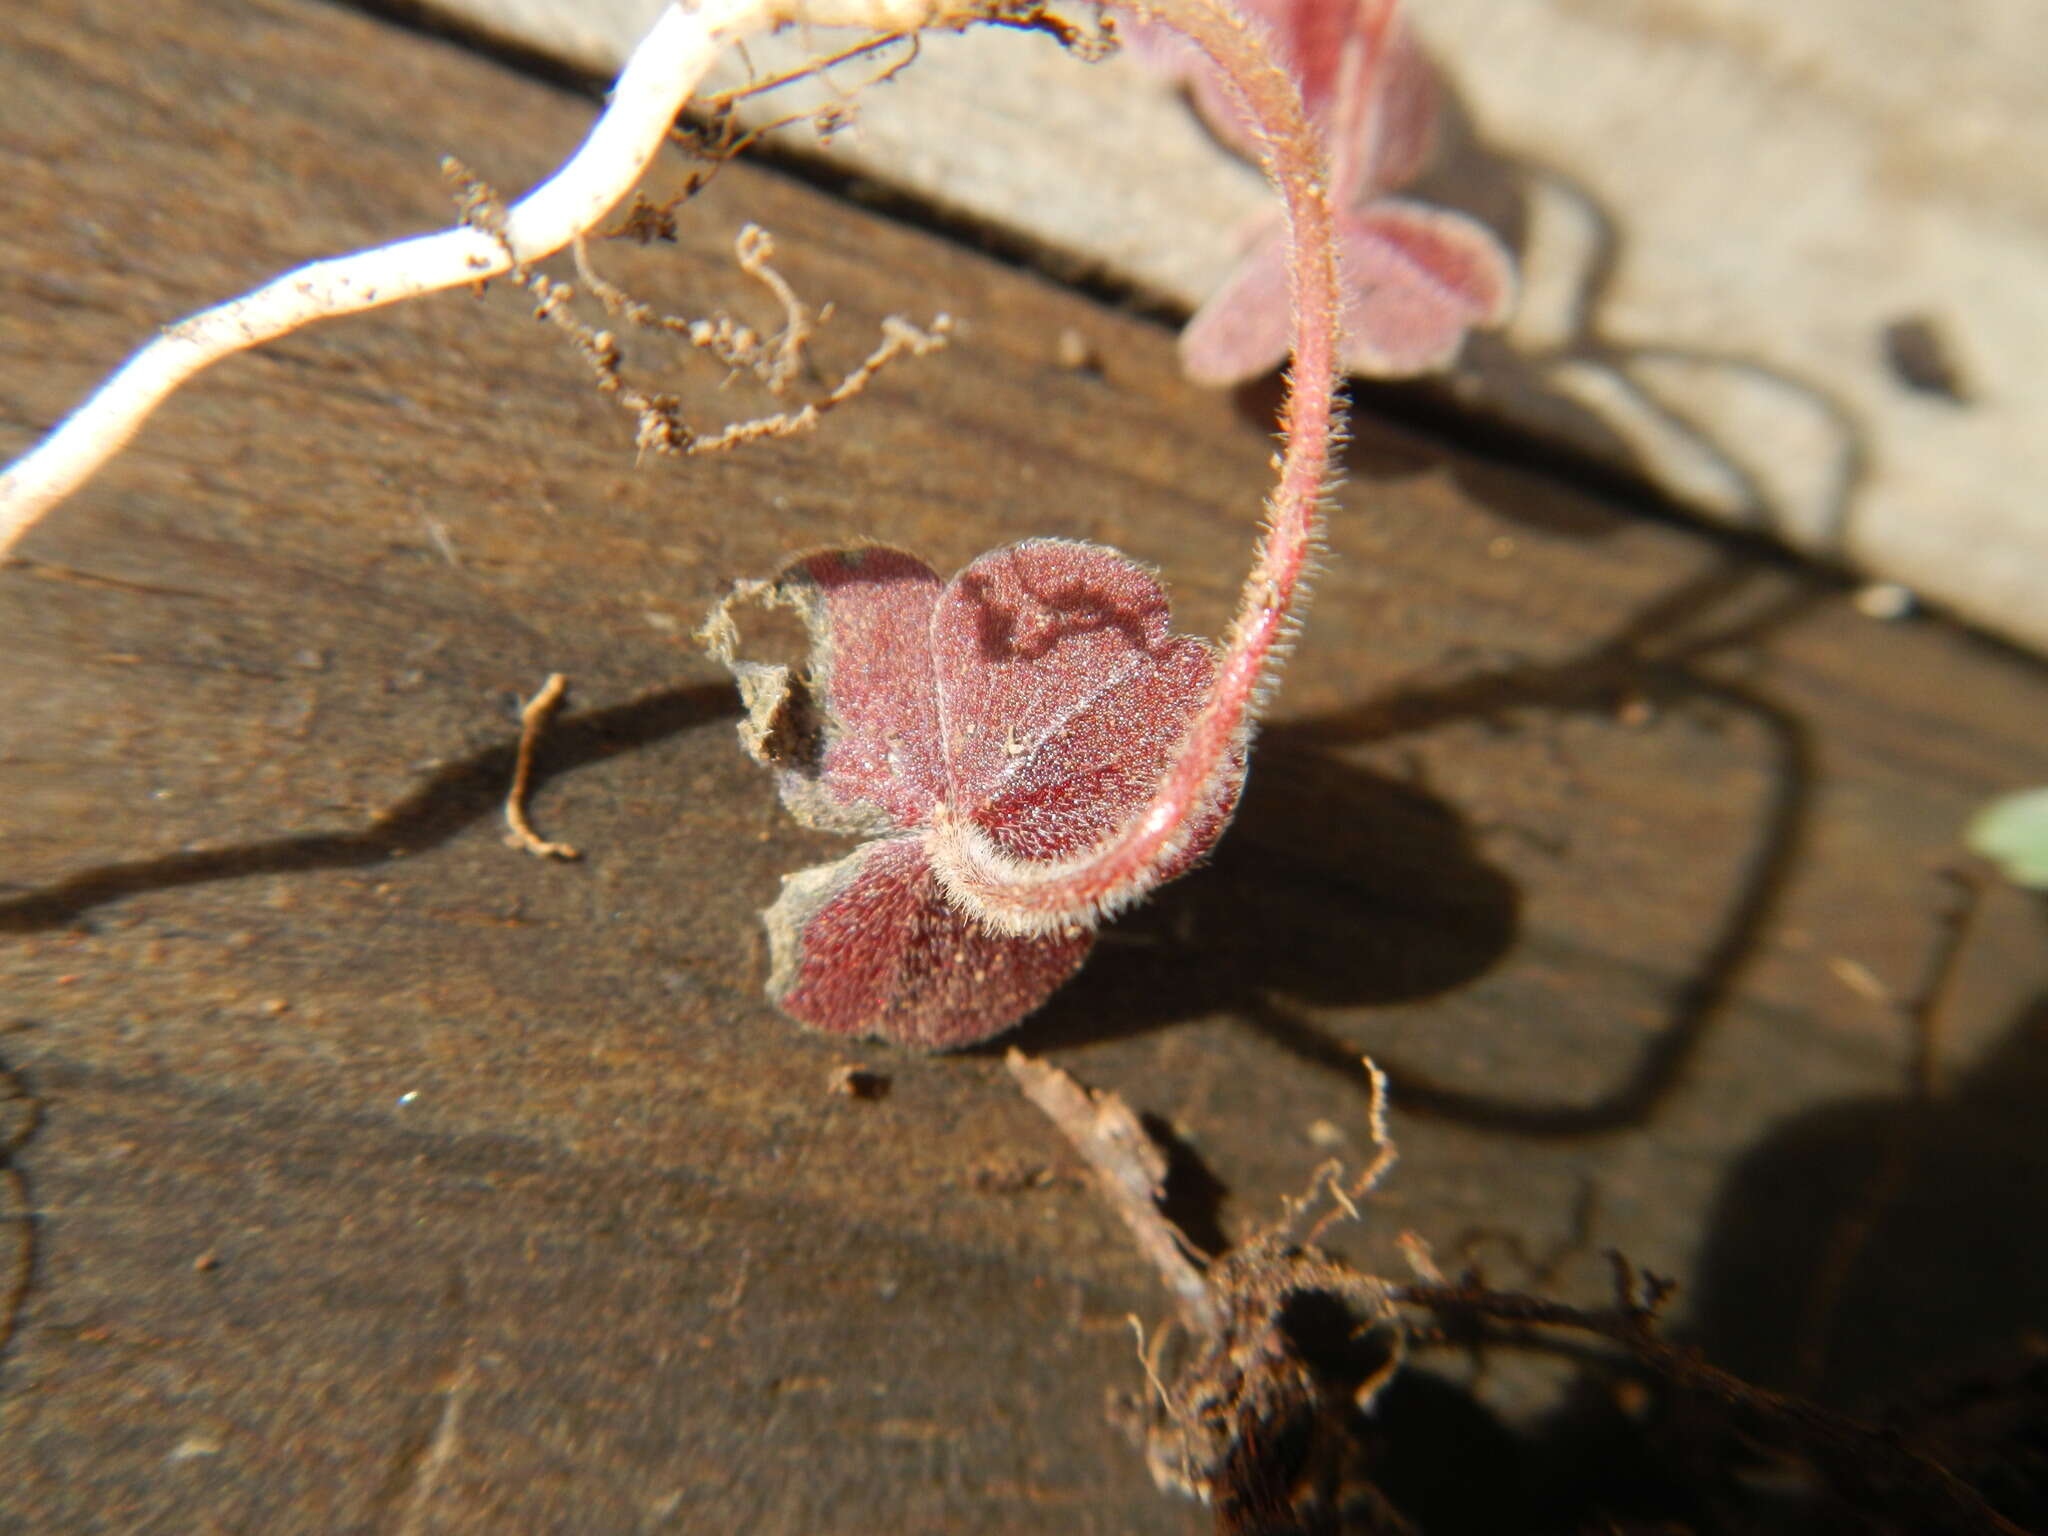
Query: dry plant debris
1261, 1418
1243, 1425
533, 720
777, 363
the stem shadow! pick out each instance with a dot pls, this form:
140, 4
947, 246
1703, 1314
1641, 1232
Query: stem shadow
1384, 898
449, 800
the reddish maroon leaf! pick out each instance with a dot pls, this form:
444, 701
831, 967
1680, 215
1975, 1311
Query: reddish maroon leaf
868, 612
1026, 636
1307, 40
1040, 692
870, 946
1365, 83
1062, 692
1082, 784
1416, 279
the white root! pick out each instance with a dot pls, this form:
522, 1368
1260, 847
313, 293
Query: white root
659, 78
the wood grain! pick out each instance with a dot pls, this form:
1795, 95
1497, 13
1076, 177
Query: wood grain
386, 1178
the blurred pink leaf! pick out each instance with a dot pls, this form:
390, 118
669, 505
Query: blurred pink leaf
1417, 277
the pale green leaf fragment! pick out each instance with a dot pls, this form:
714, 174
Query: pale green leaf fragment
2012, 832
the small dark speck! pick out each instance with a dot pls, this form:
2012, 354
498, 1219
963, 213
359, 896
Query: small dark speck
859, 1083
1918, 356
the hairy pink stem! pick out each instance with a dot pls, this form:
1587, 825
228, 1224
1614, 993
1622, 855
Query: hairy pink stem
1017, 896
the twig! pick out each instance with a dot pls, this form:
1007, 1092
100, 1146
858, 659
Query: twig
1926, 1010
1131, 1171
755, 249
899, 337
1219, 1415
441, 1450
533, 720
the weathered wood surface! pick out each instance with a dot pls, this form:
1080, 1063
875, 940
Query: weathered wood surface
1722, 208
380, 1177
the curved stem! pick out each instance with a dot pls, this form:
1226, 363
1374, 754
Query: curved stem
1019, 897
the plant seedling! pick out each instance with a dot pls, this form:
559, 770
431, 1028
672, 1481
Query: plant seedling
1416, 278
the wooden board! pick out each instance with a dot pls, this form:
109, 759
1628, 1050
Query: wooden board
378, 1176
1754, 239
